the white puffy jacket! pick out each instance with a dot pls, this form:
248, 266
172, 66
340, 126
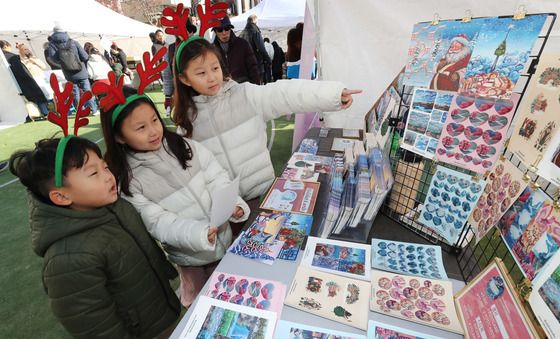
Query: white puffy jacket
175, 203
232, 123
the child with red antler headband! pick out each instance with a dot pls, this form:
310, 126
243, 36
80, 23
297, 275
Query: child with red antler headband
167, 178
230, 118
104, 275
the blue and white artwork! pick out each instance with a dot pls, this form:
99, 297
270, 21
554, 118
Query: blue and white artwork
502, 50
407, 258
449, 202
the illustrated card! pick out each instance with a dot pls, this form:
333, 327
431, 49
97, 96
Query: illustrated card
499, 57
426, 118
531, 231
339, 257
287, 329
545, 297
331, 296
310, 146
351, 133
503, 186
212, 318
407, 258
490, 308
538, 114
293, 230
449, 202
379, 330
301, 174
247, 291
475, 131
256, 244
425, 301
319, 164
291, 196
340, 144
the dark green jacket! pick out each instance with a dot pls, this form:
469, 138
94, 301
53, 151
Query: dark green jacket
104, 276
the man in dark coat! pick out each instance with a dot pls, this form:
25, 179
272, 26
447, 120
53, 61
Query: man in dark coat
80, 79
253, 35
237, 54
277, 62
27, 84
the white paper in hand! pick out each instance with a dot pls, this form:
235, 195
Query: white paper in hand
224, 201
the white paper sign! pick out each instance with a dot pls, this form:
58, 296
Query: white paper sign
224, 201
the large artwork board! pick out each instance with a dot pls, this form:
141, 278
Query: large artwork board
545, 297
425, 301
338, 257
503, 186
330, 296
214, 318
449, 202
407, 258
538, 112
424, 125
287, 329
490, 308
475, 132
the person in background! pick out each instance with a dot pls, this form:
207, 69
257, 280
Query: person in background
117, 60
277, 62
253, 35
72, 58
237, 54
159, 41
268, 66
98, 67
29, 88
293, 54
37, 69
54, 66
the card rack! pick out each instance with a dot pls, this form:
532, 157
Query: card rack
413, 174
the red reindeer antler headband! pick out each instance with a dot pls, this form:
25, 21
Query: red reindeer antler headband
177, 24
113, 93
63, 102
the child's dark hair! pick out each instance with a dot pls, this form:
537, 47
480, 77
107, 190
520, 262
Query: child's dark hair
185, 110
35, 168
116, 153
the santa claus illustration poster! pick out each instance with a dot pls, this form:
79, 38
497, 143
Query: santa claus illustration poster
502, 50
538, 114
441, 50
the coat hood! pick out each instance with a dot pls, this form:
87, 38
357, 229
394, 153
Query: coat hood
226, 87
50, 223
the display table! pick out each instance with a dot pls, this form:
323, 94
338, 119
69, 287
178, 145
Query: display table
284, 271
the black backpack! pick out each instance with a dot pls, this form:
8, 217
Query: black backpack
69, 61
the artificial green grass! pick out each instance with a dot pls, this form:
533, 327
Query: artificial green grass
24, 308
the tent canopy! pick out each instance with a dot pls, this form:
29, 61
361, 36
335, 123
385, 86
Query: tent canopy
273, 14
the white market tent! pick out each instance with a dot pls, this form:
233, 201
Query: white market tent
273, 14
32, 21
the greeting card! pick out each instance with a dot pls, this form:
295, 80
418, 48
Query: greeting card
531, 230
503, 186
212, 318
502, 49
379, 330
340, 144
475, 132
449, 202
490, 308
291, 196
256, 244
407, 258
545, 297
247, 291
293, 230
538, 114
339, 257
287, 329
424, 125
425, 301
319, 164
301, 174
330, 296
310, 146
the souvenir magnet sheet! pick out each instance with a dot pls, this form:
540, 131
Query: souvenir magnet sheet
337, 298
475, 132
503, 187
252, 292
287, 329
379, 330
501, 52
538, 113
531, 230
425, 121
425, 301
449, 202
545, 297
212, 318
339, 257
407, 258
